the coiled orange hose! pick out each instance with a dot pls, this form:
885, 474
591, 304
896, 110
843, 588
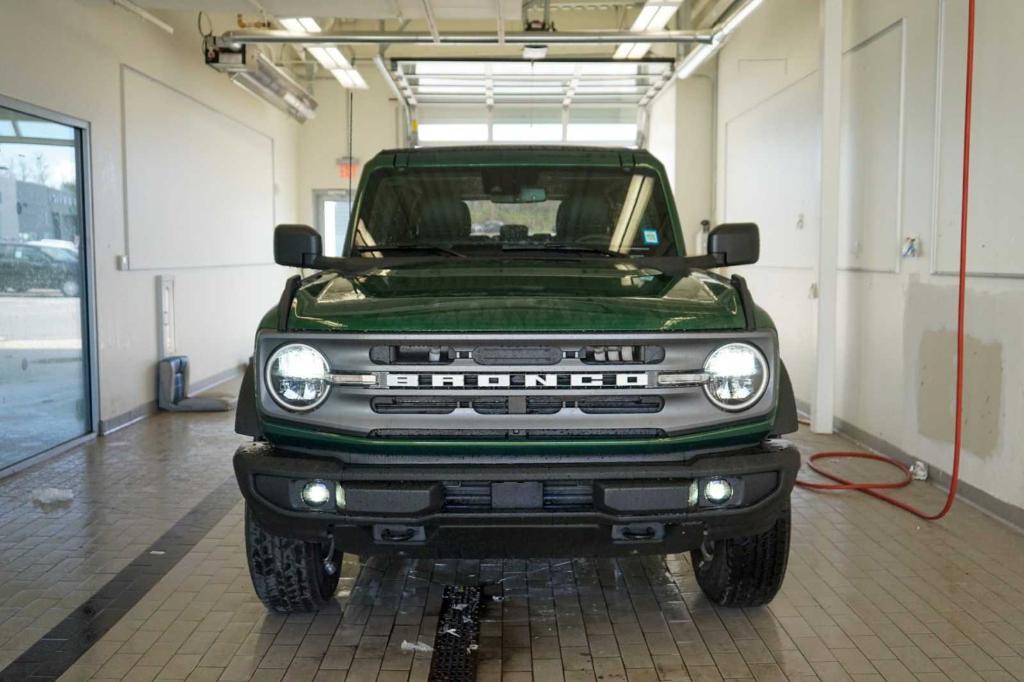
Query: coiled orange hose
873, 489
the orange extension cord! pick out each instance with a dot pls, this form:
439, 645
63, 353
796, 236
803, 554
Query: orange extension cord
874, 488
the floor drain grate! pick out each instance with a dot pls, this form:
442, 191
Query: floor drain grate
457, 642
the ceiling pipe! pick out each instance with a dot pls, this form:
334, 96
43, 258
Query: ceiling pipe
595, 37
721, 31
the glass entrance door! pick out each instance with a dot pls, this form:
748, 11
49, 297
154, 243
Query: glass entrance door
45, 386
332, 207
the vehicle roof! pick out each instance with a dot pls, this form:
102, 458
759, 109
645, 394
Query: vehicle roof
518, 148
515, 155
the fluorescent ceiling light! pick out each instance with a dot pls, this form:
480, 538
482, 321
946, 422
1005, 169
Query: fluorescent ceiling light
342, 75
357, 80
350, 78
653, 17
631, 50
300, 24
334, 61
639, 50
329, 57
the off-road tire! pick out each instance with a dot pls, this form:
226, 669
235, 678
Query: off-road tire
745, 571
287, 574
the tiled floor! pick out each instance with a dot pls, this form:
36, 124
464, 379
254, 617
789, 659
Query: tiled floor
872, 593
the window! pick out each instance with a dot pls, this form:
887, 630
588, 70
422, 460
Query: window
551, 101
476, 211
454, 124
453, 132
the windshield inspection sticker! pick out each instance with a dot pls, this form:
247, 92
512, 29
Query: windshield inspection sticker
650, 237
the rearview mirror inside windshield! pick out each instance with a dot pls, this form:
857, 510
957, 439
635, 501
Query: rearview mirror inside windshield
526, 195
512, 185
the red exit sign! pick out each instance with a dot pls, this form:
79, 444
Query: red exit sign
348, 167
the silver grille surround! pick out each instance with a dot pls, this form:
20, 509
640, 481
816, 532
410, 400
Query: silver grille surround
348, 409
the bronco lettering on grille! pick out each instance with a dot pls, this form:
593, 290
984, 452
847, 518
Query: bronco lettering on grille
522, 380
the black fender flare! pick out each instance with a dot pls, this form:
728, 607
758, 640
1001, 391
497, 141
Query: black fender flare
247, 421
785, 412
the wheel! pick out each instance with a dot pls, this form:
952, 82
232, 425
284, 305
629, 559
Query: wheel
744, 571
69, 288
287, 574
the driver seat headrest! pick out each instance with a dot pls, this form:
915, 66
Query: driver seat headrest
444, 219
582, 216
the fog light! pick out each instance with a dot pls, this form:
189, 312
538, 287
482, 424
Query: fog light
717, 491
316, 493
341, 497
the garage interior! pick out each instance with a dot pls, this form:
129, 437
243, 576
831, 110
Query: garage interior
148, 149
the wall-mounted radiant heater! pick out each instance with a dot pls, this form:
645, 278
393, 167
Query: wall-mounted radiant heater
263, 78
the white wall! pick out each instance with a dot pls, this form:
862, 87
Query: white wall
67, 56
681, 135
901, 179
324, 140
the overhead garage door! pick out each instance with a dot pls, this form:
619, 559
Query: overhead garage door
520, 102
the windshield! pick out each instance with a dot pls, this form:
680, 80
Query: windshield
475, 211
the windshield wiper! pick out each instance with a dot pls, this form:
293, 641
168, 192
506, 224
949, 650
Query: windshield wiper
565, 248
410, 247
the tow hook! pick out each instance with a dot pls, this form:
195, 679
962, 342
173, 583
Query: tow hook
706, 555
639, 532
330, 566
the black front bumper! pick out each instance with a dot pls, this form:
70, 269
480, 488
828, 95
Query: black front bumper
524, 510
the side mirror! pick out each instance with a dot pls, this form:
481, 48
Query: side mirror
734, 244
297, 246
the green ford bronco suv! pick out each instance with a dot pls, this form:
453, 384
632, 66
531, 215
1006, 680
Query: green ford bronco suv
515, 357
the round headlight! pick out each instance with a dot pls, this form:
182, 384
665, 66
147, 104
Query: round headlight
737, 376
298, 377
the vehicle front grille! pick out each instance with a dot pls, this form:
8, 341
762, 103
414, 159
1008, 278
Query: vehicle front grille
514, 387
470, 496
514, 434
626, 404
516, 355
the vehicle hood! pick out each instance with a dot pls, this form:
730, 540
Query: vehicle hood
516, 295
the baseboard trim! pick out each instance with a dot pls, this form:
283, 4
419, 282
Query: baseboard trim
136, 414
216, 380
1005, 512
